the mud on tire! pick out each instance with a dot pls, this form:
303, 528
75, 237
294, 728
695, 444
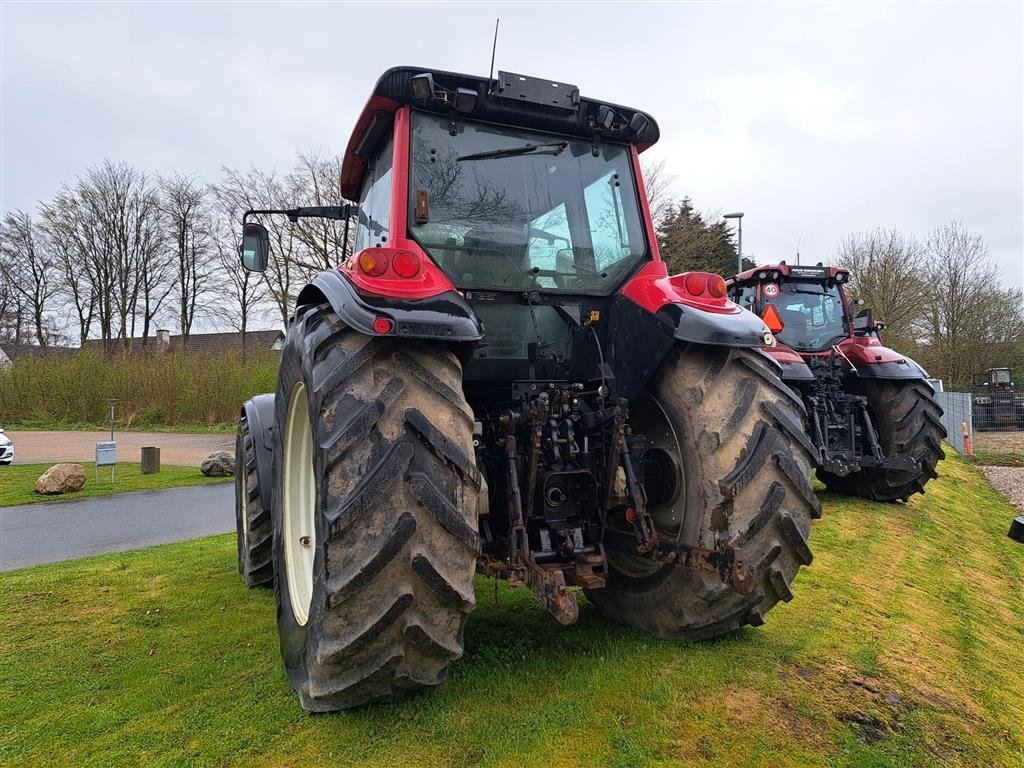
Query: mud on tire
395, 533
908, 422
253, 529
744, 481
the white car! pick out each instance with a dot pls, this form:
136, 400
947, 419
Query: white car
6, 448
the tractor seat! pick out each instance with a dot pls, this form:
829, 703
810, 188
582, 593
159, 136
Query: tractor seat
793, 321
490, 257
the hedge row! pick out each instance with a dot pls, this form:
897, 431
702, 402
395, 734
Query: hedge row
156, 390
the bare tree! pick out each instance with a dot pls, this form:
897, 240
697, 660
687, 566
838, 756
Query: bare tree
183, 202
887, 270
241, 294
12, 312
64, 229
28, 270
109, 226
315, 180
151, 258
657, 183
258, 189
969, 317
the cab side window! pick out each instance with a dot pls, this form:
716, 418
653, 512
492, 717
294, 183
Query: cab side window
373, 226
744, 296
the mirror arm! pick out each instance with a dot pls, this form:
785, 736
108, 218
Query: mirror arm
337, 212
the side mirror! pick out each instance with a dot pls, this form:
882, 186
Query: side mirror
255, 249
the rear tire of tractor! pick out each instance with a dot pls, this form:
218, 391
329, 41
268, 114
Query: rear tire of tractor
253, 528
382, 494
908, 422
742, 481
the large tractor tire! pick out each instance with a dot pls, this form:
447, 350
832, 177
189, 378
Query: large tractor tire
253, 528
908, 422
727, 465
375, 536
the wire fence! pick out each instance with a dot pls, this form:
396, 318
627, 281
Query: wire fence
999, 411
994, 424
956, 412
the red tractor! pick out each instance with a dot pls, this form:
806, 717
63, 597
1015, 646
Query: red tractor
872, 420
502, 378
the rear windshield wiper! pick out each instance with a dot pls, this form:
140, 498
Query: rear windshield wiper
555, 148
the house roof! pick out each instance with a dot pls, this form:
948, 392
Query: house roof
198, 343
15, 351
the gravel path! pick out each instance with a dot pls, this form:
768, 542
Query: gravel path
1009, 481
179, 448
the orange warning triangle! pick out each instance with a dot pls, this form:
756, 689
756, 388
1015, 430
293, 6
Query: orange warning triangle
772, 319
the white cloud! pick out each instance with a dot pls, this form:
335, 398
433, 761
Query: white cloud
815, 119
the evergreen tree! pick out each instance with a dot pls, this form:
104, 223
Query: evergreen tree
690, 244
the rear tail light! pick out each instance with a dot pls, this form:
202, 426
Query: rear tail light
406, 264
716, 286
382, 325
695, 283
373, 262
388, 263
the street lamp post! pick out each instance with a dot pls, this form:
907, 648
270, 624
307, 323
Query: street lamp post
739, 246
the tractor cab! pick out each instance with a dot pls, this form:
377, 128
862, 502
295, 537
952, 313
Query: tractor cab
996, 403
995, 380
804, 307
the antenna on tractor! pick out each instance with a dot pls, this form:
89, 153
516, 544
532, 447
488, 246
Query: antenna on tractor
494, 50
798, 250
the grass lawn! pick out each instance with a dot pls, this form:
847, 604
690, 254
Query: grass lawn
904, 646
18, 480
998, 459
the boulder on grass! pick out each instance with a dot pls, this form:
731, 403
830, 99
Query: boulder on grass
219, 464
61, 478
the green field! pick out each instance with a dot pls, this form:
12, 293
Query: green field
18, 480
904, 646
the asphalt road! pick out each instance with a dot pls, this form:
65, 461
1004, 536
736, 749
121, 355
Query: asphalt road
47, 533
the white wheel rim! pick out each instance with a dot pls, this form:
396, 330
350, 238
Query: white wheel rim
298, 504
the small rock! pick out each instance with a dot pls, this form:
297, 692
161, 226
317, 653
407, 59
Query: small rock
219, 464
61, 478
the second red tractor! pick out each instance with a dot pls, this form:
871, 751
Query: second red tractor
871, 413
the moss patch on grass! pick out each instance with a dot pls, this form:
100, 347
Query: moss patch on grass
903, 646
18, 480
987, 458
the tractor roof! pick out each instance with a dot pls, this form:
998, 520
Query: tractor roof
784, 270
510, 99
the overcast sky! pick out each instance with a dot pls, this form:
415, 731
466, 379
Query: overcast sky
815, 120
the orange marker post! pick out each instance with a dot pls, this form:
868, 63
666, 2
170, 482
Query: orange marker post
967, 441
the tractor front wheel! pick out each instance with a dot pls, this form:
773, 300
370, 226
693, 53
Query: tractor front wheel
375, 537
909, 426
727, 467
252, 522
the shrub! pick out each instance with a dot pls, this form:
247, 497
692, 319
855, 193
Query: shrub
153, 390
